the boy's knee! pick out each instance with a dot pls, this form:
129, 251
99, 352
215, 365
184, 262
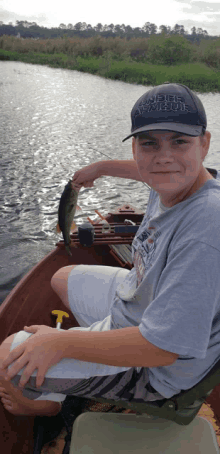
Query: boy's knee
59, 283
53, 281
62, 274
4, 352
59, 279
6, 345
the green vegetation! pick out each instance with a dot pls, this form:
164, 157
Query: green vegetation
147, 61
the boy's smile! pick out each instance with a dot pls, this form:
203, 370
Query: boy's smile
171, 163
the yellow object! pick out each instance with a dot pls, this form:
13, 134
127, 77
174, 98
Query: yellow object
60, 315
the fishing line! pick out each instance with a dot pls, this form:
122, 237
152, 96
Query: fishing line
98, 151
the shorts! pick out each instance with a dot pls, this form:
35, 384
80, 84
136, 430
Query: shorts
91, 291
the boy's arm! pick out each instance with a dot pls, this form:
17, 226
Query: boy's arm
115, 168
121, 347
121, 168
124, 347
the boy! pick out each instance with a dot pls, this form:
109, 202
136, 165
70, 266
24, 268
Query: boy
147, 333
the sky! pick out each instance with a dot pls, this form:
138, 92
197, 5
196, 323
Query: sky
49, 13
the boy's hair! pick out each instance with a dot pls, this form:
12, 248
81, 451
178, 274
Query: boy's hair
202, 135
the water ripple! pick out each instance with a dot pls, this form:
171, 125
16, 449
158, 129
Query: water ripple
53, 122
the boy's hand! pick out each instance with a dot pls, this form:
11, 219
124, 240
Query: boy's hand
40, 351
87, 175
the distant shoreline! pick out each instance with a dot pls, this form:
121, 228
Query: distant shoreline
197, 76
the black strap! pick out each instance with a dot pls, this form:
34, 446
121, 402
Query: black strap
212, 171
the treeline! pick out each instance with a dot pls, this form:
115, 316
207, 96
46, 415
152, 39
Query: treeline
25, 29
157, 50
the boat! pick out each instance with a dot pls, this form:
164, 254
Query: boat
106, 241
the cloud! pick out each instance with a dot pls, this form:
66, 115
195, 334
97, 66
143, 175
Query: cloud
200, 14
9, 16
207, 3
189, 13
199, 7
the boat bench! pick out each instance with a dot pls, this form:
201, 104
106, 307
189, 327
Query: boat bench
122, 253
168, 426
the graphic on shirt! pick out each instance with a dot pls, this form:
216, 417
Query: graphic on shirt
144, 246
139, 266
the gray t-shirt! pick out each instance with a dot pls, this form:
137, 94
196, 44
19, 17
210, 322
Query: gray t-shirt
173, 291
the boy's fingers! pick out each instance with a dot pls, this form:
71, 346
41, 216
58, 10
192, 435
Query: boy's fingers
20, 363
11, 357
40, 378
32, 328
26, 376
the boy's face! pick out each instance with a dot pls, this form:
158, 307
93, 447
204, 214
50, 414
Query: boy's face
170, 162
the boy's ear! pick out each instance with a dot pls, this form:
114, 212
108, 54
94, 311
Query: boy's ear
206, 143
134, 147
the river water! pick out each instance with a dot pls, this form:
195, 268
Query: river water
52, 123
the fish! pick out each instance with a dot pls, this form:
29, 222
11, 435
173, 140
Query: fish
66, 212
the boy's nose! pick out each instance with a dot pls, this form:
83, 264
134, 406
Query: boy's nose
164, 154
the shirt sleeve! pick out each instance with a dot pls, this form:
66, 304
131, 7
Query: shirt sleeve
187, 297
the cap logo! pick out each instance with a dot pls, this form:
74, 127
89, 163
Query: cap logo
164, 103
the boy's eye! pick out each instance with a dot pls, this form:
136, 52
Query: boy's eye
180, 141
148, 143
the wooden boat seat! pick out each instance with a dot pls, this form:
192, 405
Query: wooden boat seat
157, 427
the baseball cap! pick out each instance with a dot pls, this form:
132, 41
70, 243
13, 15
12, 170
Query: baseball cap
170, 107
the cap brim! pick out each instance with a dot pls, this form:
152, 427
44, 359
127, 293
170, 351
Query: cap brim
173, 127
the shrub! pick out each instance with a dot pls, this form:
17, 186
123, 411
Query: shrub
169, 50
210, 53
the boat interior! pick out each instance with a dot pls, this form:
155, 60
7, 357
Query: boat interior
158, 427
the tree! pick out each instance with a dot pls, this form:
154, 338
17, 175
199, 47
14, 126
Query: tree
78, 26
201, 32
153, 29
84, 26
178, 30
149, 29
128, 30
118, 30
163, 29
137, 31
19, 23
111, 27
62, 26
98, 28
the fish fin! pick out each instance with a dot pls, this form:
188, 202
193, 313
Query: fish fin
73, 226
68, 250
58, 229
78, 208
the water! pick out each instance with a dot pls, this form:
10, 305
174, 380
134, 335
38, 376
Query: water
53, 122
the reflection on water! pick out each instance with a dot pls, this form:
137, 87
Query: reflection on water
53, 122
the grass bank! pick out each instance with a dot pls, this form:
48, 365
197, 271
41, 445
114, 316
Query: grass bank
198, 76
